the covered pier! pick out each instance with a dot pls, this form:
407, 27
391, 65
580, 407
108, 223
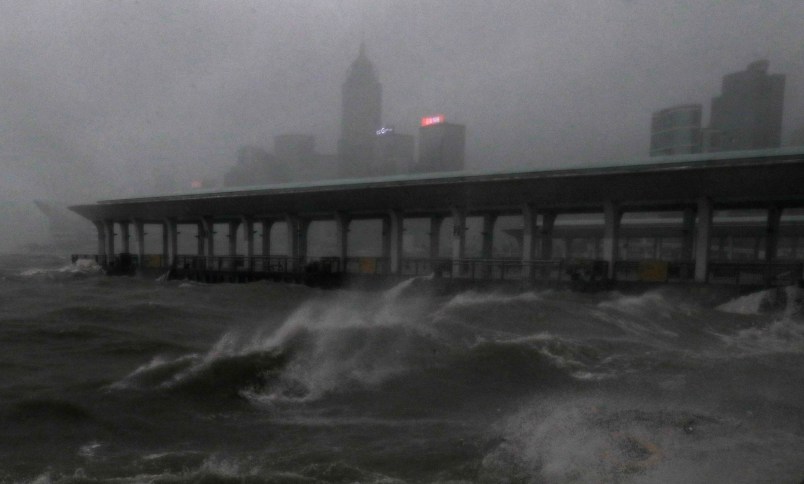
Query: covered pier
703, 218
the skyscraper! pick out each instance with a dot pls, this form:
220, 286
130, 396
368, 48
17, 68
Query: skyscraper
676, 130
361, 117
441, 145
748, 113
393, 152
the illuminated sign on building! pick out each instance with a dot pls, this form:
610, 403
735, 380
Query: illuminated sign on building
436, 119
385, 130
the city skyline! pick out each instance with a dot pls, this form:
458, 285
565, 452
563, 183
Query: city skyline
117, 91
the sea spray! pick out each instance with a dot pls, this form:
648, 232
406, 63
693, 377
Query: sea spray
267, 382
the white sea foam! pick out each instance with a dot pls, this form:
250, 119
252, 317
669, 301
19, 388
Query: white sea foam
330, 341
473, 298
81, 266
748, 304
787, 301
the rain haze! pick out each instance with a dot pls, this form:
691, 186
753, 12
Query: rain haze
402, 241
105, 99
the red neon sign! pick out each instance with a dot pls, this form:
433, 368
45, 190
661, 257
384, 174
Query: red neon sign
436, 119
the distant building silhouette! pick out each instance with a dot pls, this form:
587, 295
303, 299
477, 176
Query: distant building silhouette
294, 159
255, 166
748, 113
361, 117
393, 153
296, 153
441, 145
676, 130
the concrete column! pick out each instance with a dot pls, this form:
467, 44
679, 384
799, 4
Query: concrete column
530, 228
108, 226
435, 236
297, 238
303, 228
396, 228
342, 221
772, 233
611, 232
248, 234
233, 226
124, 243
293, 235
139, 234
209, 232
101, 229
266, 236
165, 246
386, 238
688, 234
487, 250
546, 243
487, 245
200, 238
458, 239
703, 238
171, 229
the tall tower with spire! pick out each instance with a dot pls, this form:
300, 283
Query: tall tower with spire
361, 117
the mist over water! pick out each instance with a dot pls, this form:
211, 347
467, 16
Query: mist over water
139, 381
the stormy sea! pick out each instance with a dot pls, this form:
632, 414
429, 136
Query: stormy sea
116, 379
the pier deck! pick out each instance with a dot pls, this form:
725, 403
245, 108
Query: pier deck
695, 188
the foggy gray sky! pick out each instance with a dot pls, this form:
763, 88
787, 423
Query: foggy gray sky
99, 95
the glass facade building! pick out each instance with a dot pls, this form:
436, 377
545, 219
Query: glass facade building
676, 130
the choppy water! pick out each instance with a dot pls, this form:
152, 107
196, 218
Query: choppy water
140, 381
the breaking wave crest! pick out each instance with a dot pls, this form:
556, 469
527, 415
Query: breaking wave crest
349, 342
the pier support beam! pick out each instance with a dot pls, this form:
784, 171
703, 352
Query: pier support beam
208, 225
232, 236
267, 223
139, 235
688, 234
612, 216
108, 227
248, 233
530, 229
772, 233
386, 243
297, 239
101, 229
200, 237
435, 236
342, 222
486, 251
703, 238
546, 242
396, 227
458, 239
172, 232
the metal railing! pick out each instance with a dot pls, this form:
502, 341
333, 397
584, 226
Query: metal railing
368, 265
423, 266
497, 269
261, 264
654, 270
775, 273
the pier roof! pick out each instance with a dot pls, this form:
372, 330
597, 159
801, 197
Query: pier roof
738, 179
